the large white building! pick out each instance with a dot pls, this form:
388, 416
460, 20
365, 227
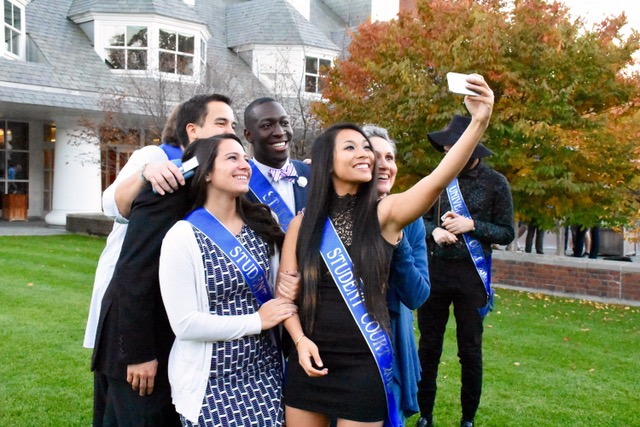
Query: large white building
65, 62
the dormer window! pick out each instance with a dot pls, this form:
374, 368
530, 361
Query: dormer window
149, 47
13, 23
315, 69
126, 47
176, 52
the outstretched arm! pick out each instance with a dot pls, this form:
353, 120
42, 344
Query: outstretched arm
398, 210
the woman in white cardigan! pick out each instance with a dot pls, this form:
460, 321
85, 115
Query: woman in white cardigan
225, 367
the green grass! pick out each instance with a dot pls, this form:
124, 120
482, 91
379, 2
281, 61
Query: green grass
548, 361
45, 288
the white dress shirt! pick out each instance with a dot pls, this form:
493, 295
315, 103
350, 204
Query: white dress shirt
284, 187
111, 252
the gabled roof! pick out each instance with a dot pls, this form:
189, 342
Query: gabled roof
272, 22
172, 8
74, 76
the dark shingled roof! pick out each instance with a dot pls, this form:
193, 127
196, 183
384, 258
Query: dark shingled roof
272, 22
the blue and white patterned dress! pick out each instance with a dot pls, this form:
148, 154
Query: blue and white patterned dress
245, 381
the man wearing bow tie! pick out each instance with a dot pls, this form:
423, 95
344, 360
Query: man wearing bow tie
268, 130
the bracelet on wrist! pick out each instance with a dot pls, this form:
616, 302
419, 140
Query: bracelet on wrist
298, 340
142, 178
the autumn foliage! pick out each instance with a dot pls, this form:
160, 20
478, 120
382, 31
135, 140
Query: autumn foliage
566, 120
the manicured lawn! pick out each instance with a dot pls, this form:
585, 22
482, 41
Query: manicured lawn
45, 288
548, 361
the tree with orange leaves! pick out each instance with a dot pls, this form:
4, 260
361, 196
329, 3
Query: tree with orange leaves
565, 120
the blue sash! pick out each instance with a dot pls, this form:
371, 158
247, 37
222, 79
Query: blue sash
265, 193
239, 255
482, 263
340, 266
171, 151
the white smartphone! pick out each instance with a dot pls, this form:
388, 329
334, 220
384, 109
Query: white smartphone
445, 216
457, 84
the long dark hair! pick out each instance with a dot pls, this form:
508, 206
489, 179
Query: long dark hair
370, 259
257, 216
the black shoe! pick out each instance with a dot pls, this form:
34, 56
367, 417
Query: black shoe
424, 422
466, 423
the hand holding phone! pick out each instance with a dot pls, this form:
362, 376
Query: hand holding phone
458, 84
445, 216
187, 168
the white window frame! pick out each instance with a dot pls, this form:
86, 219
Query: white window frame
126, 48
176, 52
20, 32
154, 24
315, 75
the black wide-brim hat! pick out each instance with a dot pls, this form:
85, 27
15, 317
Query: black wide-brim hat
451, 134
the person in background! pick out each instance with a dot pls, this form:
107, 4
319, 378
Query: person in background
408, 281
586, 241
537, 233
474, 212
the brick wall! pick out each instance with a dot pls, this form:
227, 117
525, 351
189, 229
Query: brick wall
616, 280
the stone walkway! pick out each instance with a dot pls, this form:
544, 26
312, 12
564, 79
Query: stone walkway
32, 227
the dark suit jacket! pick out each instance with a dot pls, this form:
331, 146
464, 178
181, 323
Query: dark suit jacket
299, 193
133, 326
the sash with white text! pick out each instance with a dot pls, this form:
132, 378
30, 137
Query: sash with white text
340, 266
239, 255
265, 193
482, 263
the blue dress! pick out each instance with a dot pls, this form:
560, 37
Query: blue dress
245, 381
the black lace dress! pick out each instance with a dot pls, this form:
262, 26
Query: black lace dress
353, 388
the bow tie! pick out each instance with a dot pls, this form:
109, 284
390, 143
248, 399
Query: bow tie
288, 172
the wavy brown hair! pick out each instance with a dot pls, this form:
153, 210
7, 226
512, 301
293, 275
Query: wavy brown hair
257, 216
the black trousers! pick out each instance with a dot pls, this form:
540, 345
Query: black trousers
457, 283
115, 404
539, 238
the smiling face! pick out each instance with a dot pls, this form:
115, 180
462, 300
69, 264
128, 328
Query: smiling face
218, 120
387, 168
269, 132
231, 170
353, 161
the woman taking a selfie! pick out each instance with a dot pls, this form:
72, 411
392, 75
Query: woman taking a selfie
342, 248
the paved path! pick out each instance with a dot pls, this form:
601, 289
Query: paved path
32, 227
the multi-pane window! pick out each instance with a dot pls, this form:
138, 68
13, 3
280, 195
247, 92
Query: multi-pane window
176, 52
126, 47
14, 157
13, 27
203, 55
315, 69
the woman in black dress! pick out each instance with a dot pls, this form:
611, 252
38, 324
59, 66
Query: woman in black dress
337, 375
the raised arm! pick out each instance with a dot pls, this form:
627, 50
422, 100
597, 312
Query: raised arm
130, 171
163, 176
398, 210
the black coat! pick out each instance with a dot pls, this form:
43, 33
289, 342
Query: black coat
133, 326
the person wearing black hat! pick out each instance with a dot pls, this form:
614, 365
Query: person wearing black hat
474, 212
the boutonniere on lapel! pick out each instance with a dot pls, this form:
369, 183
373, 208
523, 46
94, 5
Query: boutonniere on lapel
302, 181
